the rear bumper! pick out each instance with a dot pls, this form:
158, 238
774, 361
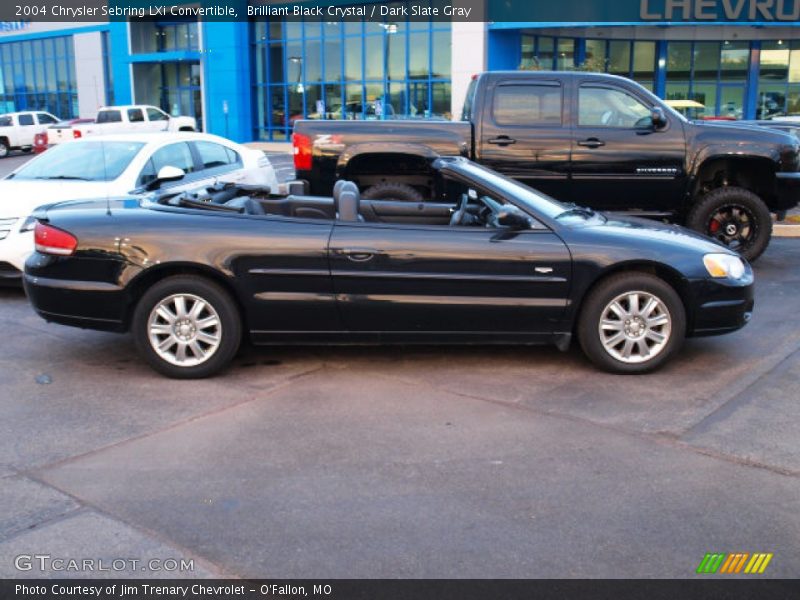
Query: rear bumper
788, 190
724, 306
85, 304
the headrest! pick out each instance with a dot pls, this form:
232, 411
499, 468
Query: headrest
337, 188
349, 200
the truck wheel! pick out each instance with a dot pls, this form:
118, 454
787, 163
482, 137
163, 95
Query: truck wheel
187, 327
631, 323
4, 149
392, 191
186, 129
736, 217
27, 149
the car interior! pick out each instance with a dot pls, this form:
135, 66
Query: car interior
456, 204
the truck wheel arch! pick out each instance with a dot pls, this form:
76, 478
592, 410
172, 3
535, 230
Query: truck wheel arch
370, 164
754, 172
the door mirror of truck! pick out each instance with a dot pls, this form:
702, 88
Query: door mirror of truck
658, 117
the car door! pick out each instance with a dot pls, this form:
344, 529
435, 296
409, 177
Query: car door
136, 120
457, 281
27, 129
280, 265
523, 133
157, 120
180, 155
619, 160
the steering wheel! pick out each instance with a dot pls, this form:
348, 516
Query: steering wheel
458, 216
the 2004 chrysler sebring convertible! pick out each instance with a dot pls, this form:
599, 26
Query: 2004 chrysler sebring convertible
488, 261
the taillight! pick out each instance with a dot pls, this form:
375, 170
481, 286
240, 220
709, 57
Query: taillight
302, 152
76, 133
52, 240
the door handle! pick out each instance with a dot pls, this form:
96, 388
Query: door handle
359, 254
591, 143
502, 140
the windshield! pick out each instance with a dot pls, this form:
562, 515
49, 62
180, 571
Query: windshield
537, 201
87, 161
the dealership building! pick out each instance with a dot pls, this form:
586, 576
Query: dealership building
251, 78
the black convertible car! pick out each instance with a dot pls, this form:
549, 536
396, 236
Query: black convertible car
490, 261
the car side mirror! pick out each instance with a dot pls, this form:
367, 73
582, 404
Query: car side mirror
165, 174
513, 218
658, 117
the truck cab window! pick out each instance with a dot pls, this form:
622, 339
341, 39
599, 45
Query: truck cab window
606, 107
529, 104
26, 119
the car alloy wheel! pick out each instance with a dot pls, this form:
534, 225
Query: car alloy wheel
635, 327
184, 330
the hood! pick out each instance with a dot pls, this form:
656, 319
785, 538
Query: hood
744, 132
19, 197
659, 237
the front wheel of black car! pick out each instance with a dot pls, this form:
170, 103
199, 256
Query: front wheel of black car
187, 327
631, 323
736, 217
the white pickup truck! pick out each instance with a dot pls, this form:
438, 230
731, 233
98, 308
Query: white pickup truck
18, 129
134, 118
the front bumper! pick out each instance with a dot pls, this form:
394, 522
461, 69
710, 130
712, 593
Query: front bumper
721, 306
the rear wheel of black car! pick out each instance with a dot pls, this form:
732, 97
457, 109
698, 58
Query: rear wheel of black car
736, 217
187, 327
631, 323
392, 191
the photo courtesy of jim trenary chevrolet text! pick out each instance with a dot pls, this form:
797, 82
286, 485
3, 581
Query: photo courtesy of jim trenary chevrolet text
431, 299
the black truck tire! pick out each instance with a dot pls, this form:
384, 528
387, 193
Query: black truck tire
4, 148
392, 191
735, 216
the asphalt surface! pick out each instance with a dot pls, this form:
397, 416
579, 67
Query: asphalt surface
330, 462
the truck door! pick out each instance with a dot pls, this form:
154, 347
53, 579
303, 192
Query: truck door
27, 129
524, 133
619, 160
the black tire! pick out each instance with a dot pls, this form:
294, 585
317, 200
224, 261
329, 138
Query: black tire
392, 191
27, 149
597, 304
4, 149
186, 129
738, 209
229, 331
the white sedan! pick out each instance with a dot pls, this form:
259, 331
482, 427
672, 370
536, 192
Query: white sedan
118, 165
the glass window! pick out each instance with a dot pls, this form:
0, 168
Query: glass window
441, 55
215, 155
333, 59
606, 107
596, 54
93, 161
373, 57
566, 54
774, 61
418, 67
6, 122
644, 61
545, 51
135, 115
26, 119
706, 60
109, 116
619, 57
527, 105
153, 114
679, 60
396, 56
352, 57
174, 155
44, 118
734, 60
528, 59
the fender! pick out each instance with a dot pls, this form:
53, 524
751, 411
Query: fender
367, 148
754, 151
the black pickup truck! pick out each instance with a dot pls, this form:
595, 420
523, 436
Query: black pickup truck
594, 139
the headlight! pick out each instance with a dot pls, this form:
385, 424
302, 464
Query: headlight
28, 225
724, 265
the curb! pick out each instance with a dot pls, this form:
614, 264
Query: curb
786, 230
